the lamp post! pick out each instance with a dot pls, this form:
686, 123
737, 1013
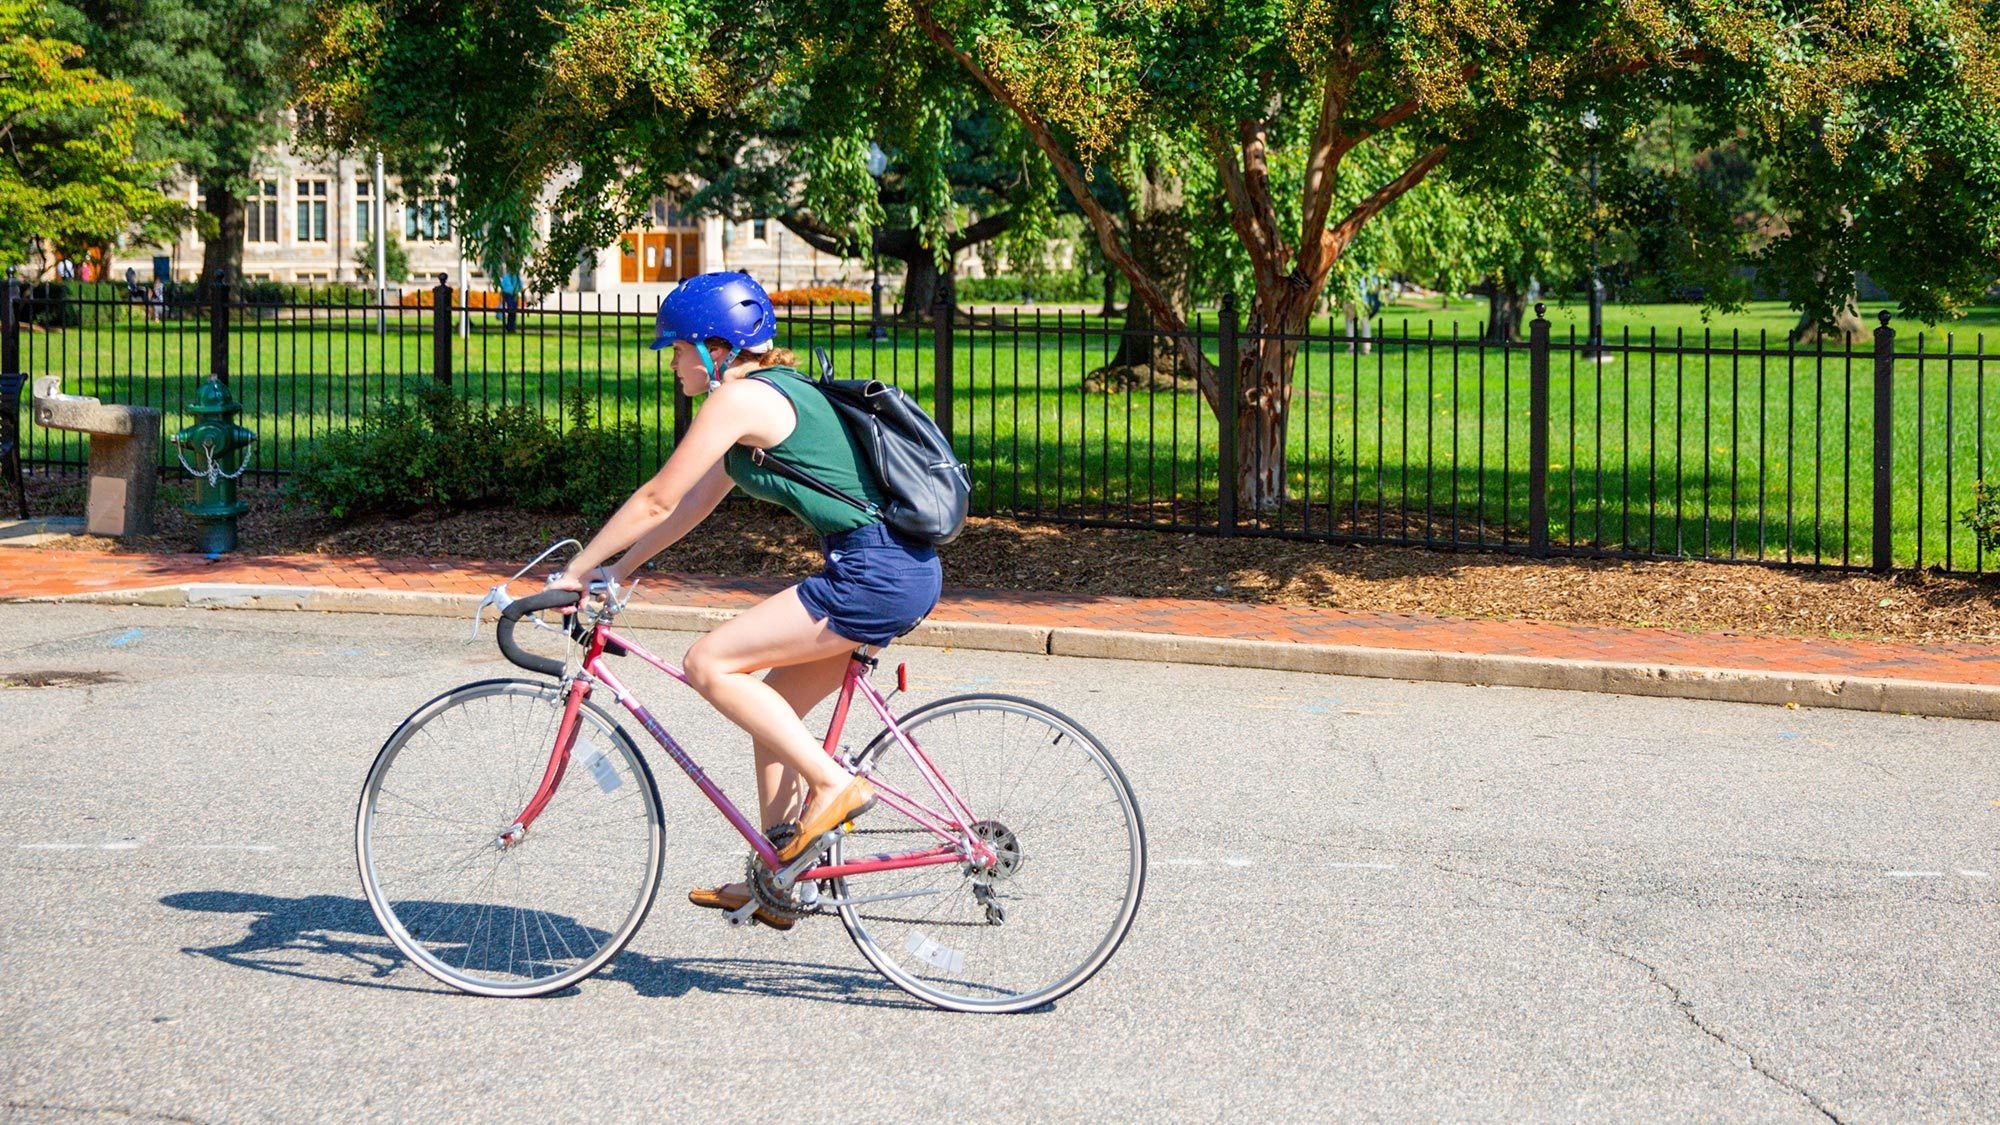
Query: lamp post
878, 163
1593, 345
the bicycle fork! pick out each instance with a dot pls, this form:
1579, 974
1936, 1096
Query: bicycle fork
558, 765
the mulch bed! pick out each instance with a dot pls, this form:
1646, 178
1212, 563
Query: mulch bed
750, 540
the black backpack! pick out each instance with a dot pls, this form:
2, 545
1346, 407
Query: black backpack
928, 487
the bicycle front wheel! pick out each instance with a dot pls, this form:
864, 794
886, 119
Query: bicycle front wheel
1070, 859
482, 912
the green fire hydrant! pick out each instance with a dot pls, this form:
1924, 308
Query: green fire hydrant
217, 438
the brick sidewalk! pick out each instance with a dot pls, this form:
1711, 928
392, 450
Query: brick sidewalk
36, 573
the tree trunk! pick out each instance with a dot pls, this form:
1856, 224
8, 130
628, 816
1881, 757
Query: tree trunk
1270, 345
1110, 308
1160, 235
920, 288
223, 252
1506, 308
1846, 328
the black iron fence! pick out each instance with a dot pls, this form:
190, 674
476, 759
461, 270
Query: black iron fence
1662, 446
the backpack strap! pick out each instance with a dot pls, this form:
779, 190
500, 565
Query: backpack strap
764, 458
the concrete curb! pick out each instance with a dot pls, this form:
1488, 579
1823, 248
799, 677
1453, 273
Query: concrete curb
1732, 685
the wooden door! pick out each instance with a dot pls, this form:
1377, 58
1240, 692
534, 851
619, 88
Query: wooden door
689, 258
628, 257
656, 265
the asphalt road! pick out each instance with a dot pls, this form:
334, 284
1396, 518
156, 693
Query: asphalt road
1367, 899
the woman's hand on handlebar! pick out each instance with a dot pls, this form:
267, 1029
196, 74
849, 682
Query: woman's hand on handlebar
577, 584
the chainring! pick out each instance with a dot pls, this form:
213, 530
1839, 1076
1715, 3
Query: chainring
784, 904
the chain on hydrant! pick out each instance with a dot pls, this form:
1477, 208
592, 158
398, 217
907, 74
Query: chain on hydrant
218, 437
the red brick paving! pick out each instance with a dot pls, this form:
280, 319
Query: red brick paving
30, 573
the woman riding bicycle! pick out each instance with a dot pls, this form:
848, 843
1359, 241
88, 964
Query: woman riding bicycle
876, 585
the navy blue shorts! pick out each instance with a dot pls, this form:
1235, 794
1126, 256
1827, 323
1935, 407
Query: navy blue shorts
876, 585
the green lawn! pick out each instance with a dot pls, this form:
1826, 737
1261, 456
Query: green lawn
1739, 456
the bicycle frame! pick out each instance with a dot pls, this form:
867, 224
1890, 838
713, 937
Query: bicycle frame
951, 822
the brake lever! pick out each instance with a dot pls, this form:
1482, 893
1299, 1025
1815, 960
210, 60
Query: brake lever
498, 598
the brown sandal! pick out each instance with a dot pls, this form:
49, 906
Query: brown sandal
854, 798
724, 898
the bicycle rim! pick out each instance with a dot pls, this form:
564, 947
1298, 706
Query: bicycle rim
508, 921
1056, 803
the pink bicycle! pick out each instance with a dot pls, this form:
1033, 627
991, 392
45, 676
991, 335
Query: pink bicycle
510, 834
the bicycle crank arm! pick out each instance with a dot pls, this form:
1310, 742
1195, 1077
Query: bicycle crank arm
741, 915
785, 877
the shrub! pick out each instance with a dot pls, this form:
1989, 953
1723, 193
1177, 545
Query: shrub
820, 295
433, 449
1984, 516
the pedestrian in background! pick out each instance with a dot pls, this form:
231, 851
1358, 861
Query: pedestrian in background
510, 298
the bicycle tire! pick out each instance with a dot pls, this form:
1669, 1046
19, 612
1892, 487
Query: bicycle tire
948, 951
440, 809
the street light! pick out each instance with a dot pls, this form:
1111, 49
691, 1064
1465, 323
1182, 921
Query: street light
1593, 345
878, 163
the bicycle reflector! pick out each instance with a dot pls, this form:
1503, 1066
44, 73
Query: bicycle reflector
902, 677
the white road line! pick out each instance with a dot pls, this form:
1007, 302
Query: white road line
1914, 874
1968, 873
130, 845
1239, 861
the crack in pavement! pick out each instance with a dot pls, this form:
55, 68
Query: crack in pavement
111, 1110
1686, 1008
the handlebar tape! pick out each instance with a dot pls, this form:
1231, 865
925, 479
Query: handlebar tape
534, 603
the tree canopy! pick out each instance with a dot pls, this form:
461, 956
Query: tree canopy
221, 68
594, 110
1315, 116
68, 173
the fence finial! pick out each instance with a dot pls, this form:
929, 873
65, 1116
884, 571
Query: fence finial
1883, 317
1541, 309
444, 278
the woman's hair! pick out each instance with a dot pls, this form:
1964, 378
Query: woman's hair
775, 357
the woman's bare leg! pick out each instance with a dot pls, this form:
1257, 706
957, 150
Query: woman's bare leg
775, 633
780, 794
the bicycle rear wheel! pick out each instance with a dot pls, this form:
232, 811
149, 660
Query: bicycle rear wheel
479, 914
1061, 817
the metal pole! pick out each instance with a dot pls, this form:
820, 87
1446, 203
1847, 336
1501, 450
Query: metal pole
464, 289
1538, 433
218, 328
942, 356
1885, 415
11, 379
1225, 489
1594, 346
441, 331
875, 330
381, 249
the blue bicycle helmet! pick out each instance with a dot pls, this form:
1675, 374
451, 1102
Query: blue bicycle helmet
727, 305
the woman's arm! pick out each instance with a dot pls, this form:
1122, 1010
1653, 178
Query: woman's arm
732, 412
694, 508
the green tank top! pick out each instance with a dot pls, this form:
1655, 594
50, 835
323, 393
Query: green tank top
819, 444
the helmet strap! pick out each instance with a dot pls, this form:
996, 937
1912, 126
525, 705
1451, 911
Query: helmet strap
708, 364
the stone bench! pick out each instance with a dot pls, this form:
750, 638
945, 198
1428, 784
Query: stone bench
124, 455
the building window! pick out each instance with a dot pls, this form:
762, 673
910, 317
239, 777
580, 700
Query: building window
364, 210
760, 230
260, 223
427, 220
312, 211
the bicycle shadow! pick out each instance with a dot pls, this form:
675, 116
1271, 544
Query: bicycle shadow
335, 939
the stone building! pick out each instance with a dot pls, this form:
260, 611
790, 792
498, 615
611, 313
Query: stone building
308, 221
